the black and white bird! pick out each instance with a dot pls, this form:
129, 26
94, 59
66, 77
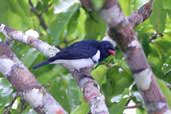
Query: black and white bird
83, 54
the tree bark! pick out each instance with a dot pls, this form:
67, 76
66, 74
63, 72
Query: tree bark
121, 30
25, 83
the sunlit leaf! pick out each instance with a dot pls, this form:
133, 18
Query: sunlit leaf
118, 108
94, 26
141, 111
100, 74
82, 109
98, 4
58, 25
158, 16
166, 91
126, 6
30, 57
166, 4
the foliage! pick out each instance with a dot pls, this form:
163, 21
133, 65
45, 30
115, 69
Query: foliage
72, 24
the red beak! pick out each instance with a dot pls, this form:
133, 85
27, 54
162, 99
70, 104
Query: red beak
112, 52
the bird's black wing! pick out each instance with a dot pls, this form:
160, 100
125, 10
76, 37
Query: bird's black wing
80, 50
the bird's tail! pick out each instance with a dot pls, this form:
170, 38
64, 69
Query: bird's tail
41, 64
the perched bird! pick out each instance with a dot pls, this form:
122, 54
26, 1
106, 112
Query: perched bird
83, 54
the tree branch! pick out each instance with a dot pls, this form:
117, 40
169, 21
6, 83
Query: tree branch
25, 83
87, 84
141, 15
122, 32
91, 91
41, 46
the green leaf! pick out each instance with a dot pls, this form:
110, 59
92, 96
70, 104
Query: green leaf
118, 108
117, 77
14, 111
98, 4
100, 74
94, 26
145, 41
158, 16
137, 97
47, 75
159, 57
5, 88
82, 109
169, 13
60, 22
75, 29
16, 14
58, 89
141, 111
125, 4
73, 93
65, 90
73, 23
30, 57
166, 91
117, 80
166, 68
166, 4
5, 92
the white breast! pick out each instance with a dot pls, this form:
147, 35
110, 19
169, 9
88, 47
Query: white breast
79, 63
96, 57
76, 64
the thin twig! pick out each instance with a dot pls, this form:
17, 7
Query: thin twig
8, 107
141, 14
39, 15
155, 36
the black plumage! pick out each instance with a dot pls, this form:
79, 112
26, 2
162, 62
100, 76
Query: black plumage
81, 50
78, 50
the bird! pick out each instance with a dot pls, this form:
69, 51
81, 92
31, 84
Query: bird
82, 54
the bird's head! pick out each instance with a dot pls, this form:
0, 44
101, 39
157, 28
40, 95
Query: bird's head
106, 49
